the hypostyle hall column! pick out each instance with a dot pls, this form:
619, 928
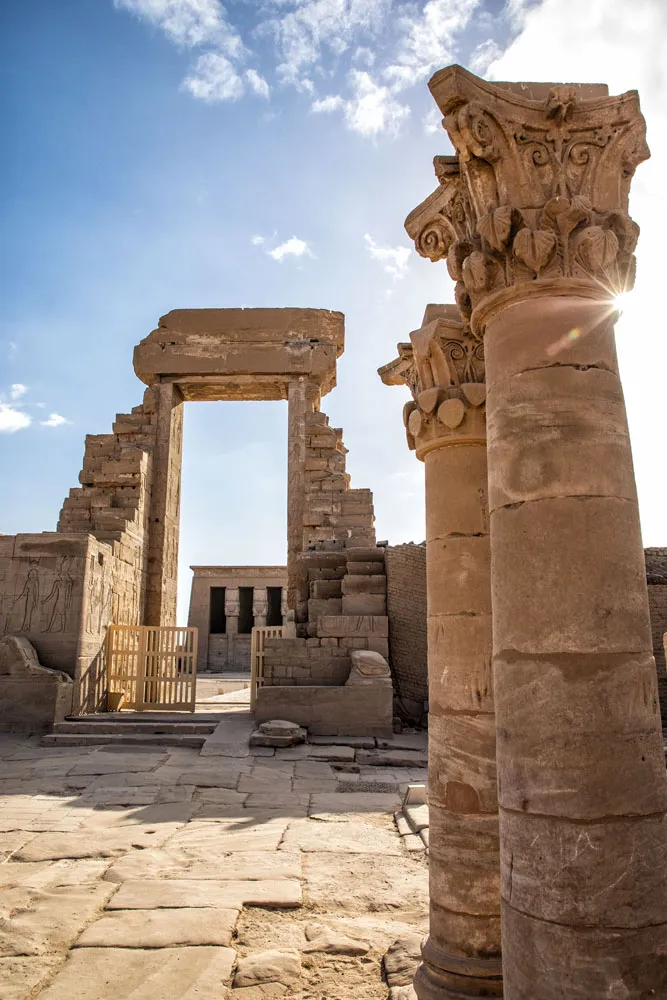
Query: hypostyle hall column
444, 368
539, 243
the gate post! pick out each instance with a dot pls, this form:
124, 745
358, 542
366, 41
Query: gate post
165, 508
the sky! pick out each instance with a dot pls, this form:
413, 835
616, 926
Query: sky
165, 154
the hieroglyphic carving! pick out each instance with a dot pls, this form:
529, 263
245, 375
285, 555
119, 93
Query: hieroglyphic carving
58, 601
539, 189
443, 366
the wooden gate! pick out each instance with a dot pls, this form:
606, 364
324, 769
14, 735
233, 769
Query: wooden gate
257, 645
154, 667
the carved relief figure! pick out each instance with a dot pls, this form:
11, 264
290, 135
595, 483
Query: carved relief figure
61, 595
30, 595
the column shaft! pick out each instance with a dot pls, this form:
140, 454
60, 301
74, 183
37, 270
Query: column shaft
462, 954
165, 508
581, 769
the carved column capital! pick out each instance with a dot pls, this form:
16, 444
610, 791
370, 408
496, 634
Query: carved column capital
538, 191
443, 366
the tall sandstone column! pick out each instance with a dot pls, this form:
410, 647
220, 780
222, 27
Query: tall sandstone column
444, 367
539, 241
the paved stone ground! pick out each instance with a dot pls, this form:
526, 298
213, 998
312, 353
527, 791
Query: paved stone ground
170, 874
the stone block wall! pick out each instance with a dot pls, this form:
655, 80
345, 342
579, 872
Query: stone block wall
656, 577
406, 609
60, 592
344, 607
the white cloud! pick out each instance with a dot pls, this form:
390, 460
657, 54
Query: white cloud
327, 104
402, 40
214, 79
18, 390
429, 39
302, 32
432, 121
294, 247
395, 259
362, 54
482, 57
188, 22
12, 420
54, 420
257, 240
257, 83
373, 109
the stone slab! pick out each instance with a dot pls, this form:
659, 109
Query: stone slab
210, 840
333, 806
101, 843
339, 838
331, 753
38, 922
230, 738
360, 883
268, 967
172, 862
392, 758
116, 763
134, 974
144, 894
20, 977
161, 929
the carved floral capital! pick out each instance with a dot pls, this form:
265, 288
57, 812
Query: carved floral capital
443, 366
538, 189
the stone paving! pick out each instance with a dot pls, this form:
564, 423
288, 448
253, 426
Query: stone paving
170, 874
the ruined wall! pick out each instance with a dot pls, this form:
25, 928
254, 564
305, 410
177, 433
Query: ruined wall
344, 603
406, 609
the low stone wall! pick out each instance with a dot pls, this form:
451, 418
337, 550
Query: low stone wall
32, 697
330, 711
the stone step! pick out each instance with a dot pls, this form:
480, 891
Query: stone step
124, 739
155, 728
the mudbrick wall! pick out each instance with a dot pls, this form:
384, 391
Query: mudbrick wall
405, 567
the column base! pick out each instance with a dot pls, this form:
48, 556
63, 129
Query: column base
444, 977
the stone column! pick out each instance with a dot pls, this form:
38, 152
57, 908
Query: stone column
303, 398
543, 244
232, 616
165, 508
260, 605
444, 367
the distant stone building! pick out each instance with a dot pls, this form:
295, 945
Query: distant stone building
226, 602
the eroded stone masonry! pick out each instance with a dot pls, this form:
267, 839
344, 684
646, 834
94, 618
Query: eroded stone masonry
114, 556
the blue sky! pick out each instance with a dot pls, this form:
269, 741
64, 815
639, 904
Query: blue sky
165, 154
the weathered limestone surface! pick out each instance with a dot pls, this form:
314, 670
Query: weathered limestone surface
147, 922
329, 710
445, 422
32, 697
535, 228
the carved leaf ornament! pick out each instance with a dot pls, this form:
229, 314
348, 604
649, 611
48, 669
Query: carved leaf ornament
535, 248
541, 187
